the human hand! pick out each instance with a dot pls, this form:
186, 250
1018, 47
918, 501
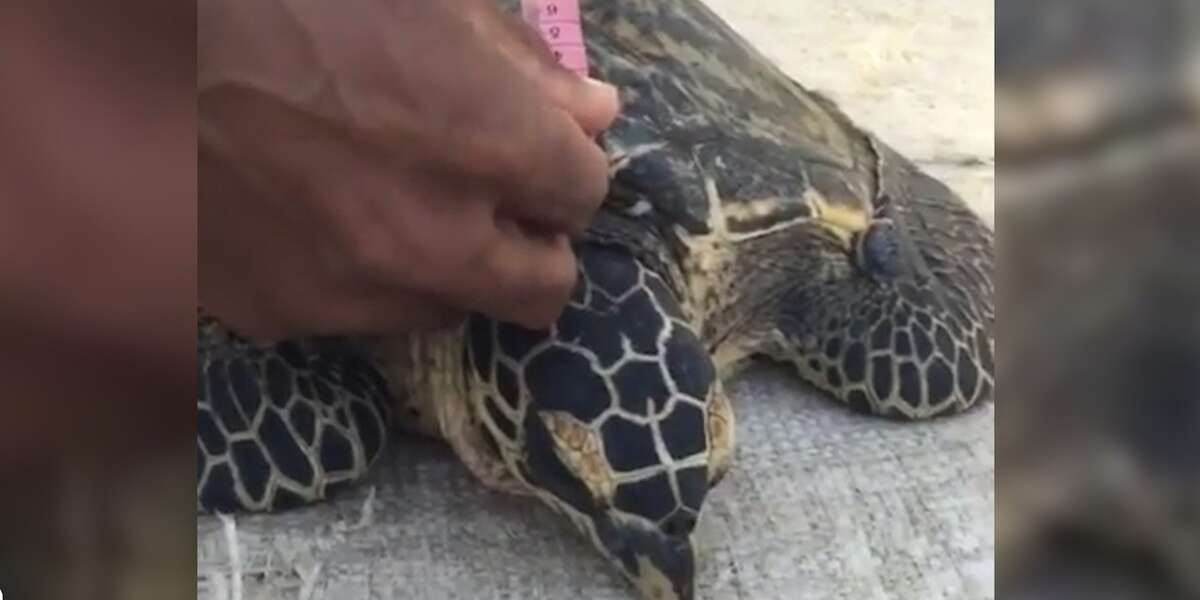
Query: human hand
382, 166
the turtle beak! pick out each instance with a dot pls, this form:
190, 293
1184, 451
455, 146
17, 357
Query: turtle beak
661, 566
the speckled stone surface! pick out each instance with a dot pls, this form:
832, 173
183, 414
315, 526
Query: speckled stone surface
821, 503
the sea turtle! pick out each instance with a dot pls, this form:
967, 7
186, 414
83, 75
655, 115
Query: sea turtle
747, 217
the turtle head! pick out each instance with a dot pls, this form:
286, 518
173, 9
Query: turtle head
640, 526
661, 565
867, 233
878, 251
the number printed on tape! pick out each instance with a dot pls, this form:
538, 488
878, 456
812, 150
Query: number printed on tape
559, 23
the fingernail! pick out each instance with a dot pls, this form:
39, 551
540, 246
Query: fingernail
608, 89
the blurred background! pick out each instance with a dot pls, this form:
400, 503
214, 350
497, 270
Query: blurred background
1098, 443
1098, 450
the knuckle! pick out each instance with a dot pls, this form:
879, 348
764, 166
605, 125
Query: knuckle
472, 249
517, 156
551, 149
592, 186
503, 277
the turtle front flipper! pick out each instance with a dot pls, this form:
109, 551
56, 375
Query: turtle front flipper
282, 426
613, 417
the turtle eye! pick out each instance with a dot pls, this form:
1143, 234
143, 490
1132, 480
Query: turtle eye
878, 250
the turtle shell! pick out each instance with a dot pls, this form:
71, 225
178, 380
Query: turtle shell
711, 134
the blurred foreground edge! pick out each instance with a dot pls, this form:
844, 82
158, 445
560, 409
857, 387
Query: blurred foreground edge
97, 296
1098, 222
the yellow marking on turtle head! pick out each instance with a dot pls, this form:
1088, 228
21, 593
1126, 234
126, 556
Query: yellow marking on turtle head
652, 582
720, 430
843, 219
581, 450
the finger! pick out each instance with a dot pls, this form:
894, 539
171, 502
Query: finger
592, 103
563, 178
527, 278
278, 313
449, 245
268, 280
383, 311
527, 152
369, 311
457, 252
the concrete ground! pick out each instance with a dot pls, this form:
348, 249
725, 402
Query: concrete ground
821, 504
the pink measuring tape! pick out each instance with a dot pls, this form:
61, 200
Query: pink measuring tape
559, 23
